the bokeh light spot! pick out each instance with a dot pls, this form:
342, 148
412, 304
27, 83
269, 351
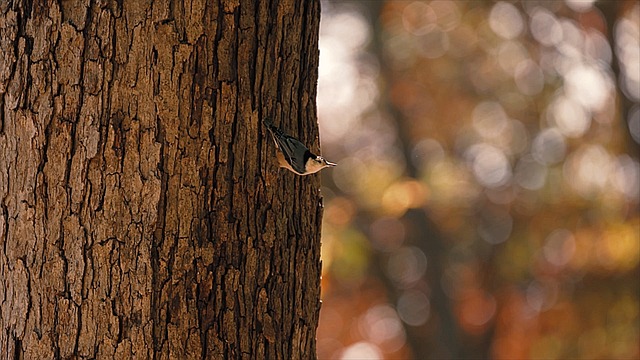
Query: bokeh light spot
530, 174
588, 169
419, 18
505, 20
447, 13
580, 5
626, 177
406, 265
401, 196
433, 44
570, 117
597, 47
627, 34
339, 211
490, 165
529, 77
545, 27
620, 248
361, 350
559, 247
588, 86
510, 55
476, 310
541, 296
414, 307
489, 119
381, 325
549, 147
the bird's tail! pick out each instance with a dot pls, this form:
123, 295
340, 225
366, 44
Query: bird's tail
272, 128
276, 133
267, 122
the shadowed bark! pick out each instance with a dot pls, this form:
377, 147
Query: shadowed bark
141, 215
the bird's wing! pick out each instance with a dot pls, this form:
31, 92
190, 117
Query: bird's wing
293, 150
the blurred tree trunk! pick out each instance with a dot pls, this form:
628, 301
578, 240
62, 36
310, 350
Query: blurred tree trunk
438, 338
442, 343
140, 213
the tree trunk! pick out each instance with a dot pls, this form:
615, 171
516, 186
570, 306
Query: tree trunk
141, 213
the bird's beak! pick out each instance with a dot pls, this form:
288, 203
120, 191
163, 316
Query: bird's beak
329, 163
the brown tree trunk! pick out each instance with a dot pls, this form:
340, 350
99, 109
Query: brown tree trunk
141, 214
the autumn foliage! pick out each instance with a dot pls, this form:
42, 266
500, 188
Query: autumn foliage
486, 199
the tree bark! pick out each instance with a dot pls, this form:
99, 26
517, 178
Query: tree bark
141, 214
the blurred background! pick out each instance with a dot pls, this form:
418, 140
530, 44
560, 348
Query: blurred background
485, 205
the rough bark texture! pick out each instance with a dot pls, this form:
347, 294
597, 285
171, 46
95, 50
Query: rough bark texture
141, 215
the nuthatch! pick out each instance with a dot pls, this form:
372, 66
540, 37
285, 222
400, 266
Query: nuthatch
294, 155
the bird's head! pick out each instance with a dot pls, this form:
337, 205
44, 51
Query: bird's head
315, 164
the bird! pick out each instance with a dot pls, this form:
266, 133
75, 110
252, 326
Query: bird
294, 155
